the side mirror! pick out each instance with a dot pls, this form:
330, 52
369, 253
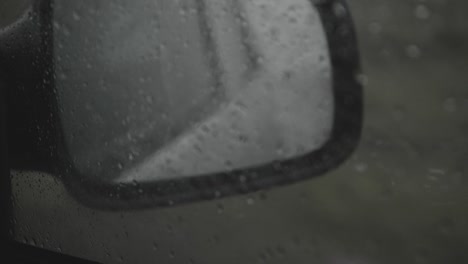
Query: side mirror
151, 103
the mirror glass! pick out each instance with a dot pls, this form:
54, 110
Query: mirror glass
151, 90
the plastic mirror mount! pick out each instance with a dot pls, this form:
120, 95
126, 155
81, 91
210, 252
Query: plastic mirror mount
44, 150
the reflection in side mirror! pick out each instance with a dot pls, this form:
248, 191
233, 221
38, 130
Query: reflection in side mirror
224, 85
193, 97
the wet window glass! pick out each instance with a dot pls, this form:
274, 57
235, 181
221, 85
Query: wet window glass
159, 90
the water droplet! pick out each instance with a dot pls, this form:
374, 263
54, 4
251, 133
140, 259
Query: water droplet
450, 105
375, 28
76, 16
242, 179
362, 79
155, 246
361, 167
149, 99
220, 208
339, 10
280, 152
413, 51
33, 242
172, 254
422, 12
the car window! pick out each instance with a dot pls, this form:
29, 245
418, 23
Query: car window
400, 198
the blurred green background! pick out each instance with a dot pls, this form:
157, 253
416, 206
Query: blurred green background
402, 198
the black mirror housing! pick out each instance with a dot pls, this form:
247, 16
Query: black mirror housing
38, 141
